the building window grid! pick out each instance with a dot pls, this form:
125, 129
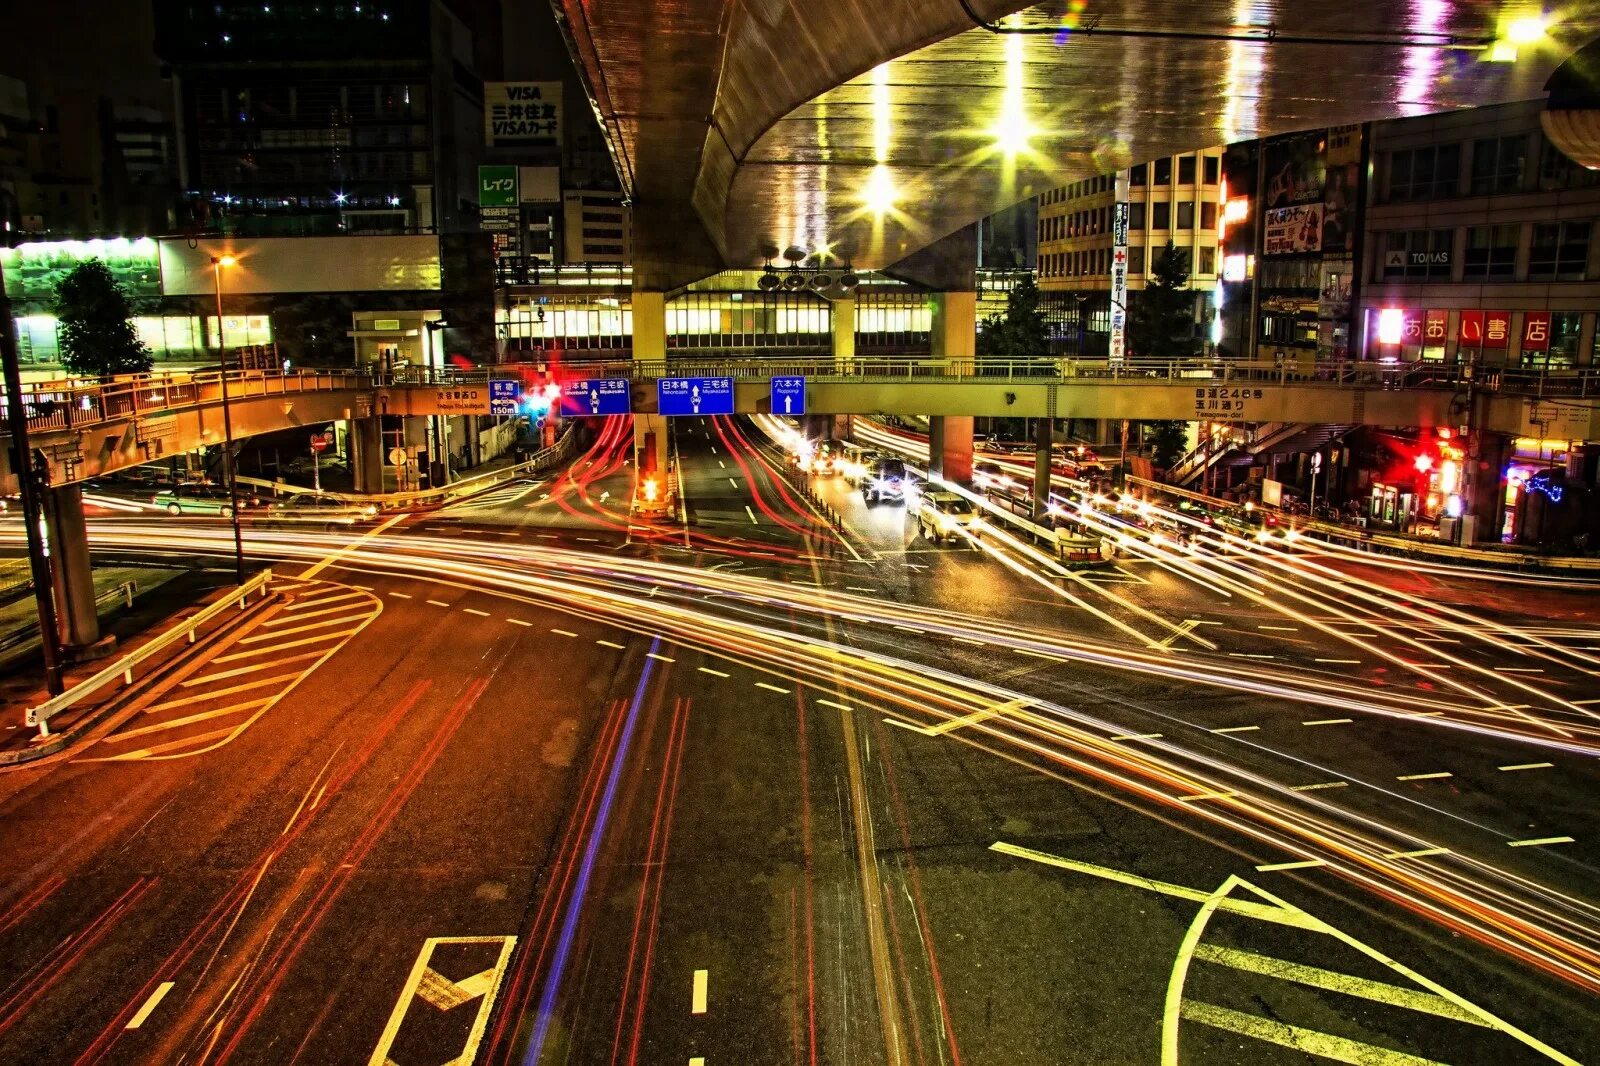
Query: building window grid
1491, 252
1498, 164
1427, 173
1560, 251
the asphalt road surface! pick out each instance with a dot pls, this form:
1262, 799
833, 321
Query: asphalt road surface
531, 779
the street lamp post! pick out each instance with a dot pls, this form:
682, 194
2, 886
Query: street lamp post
217, 263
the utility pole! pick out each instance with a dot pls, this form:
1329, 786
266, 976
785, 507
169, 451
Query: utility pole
29, 489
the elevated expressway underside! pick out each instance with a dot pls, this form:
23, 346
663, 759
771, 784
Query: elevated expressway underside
876, 127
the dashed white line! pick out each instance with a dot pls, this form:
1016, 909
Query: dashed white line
474, 610
1425, 777
752, 515
1329, 721
663, 658
1529, 766
1420, 853
564, 632
1320, 785
400, 595
836, 706
149, 1005
697, 1004
609, 644
1138, 736
969, 640
1205, 796
713, 673
1342, 662
438, 603
518, 622
772, 688
1237, 729
1536, 842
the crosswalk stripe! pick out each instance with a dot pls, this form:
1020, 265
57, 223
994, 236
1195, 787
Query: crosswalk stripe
159, 727
258, 638
1333, 981
240, 671
230, 690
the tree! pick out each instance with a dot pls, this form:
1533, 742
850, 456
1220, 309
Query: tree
1161, 318
1168, 441
97, 335
1021, 332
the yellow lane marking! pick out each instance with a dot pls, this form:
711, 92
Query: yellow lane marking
1423, 777
232, 708
265, 648
1333, 981
317, 568
320, 600
518, 622
1237, 729
1330, 721
1206, 796
563, 632
1324, 784
1529, 766
230, 690
1263, 911
1420, 853
772, 688
1302, 864
609, 644
239, 671
663, 658
443, 994
697, 1002
149, 1005
1324, 1045
288, 619
713, 673
259, 637
1536, 842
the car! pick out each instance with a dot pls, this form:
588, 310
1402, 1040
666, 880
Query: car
857, 461
196, 499
308, 509
886, 480
824, 458
991, 477
941, 515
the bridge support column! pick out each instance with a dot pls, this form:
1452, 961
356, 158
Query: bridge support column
1485, 488
1043, 438
950, 447
72, 576
366, 454
954, 333
651, 447
844, 333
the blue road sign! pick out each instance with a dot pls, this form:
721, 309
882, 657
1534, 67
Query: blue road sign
596, 396
788, 396
503, 396
695, 396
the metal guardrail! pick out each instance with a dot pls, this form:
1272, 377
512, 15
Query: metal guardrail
123, 667
397, 501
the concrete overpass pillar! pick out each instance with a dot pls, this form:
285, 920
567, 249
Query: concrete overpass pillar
844, 332
651, 449
68, 540
1043, 438
950, 447
366, 454
954, 333
1486, 484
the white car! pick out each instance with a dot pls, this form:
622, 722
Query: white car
941, 515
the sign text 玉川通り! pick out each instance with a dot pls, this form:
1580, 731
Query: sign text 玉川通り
596, 396
1226, 401
695, 396
789, 396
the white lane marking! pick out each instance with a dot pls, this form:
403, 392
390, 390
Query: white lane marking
752, 515
320, 600
242, 670
1329, 721
697, 1002
969, 640
1529, 766
1538, 841
1420, 853
518, 622
1324, 784
1039, 654
1237, 729
722, 464
773, 688
1137, 736
316, 568
1248, 655
1206, 796
149, 1005
400, 595
288, 619
563, 632
474, 610
732, 482
609, 644
1518, 670
1425, 777
663, 658
836, 706
908, 629
713, 673
1279, 629
859, 588
438, 603
1344, 662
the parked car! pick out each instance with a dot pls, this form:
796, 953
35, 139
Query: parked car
196, 499
887, 480
941, 515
